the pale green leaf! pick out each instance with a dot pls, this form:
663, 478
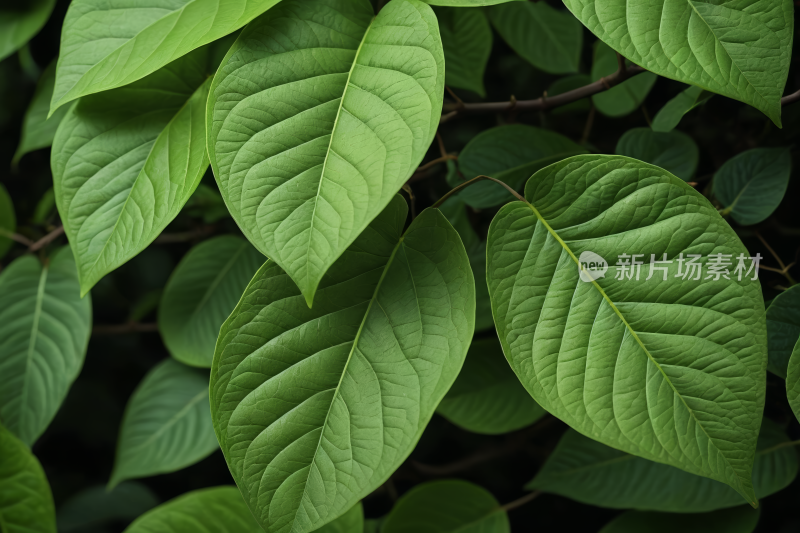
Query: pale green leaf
95, 507
675, 152
671, 114
590, 472
167, 425
44, 331
487, 397
314, 408
737, 48
622, 99
350, 522
547, 38
8, 220
214, 510
26, 504
447, 506
670, 370
319, 114
20, 21
467, 43
752, 184
783, 328
110, 43
737, 520
201, 293
125, 161
570, 83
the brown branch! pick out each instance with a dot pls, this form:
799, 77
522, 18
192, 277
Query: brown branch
186, 236
435, 162
22, 239
790, 98
454, 190
521, 501
119, 329
47, 239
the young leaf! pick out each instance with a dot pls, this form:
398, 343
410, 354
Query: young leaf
467, 43
315, 407
350, 522
125, 161
738, 49
752, 184
570, 83
38, 131
108, 44
97, 506
446, 507
166, 426
582, 469
737, 520
783, 329
548, 38
26, 504
671, 114
214, 510
353, 101
622, 99
487, 397
44, 331
201, 293
666, 368
8, 221
20, 21
675, 152
511, 154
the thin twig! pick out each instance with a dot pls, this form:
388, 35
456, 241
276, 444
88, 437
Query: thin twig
118, 329
442, 151
790, 98
16, 237
47, 239
784, 271
587, 128
436, 161
521, 501
186, 236
412, 200
451, 192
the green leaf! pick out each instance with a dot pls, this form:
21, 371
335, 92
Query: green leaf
201, 293
315, 408
444, 507
373, 525
354, 101
487, 397
45, 207
570, 83
511, 154
350, 522
783, 328
214, 510
585, 470
675, 152
125, 161
737, 520
108, 44
8, 221
96, 507
44, 331
26, 504
467, 43
20, 22
167, 425
670, 370
622, 99
206, 203
738, 48
751, 185
38, 131
547, 38
671, 114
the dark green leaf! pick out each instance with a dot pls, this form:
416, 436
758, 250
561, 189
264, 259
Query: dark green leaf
45, 207
671, 114
793, 381
570, 83
206, 203
20, 21
350, 522
467, 43
783, 329
624, 98
8, 221
38, 131
737, 520
675, 152
96, 506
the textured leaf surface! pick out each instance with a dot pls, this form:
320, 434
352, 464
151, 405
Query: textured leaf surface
167, 425
201, 293
214, 510
38, 131
315, 408
350, 522
316, 118
672, 371
110, 43
20, 21
8, 220
548, 38
44, 331
590, 472
622, 99
671, 114
467, 43
738, 48
487, 397
793, 381
446, 507
752, 184
675, 152
96, 507
26, 504
737, 520
783, 328
125, 161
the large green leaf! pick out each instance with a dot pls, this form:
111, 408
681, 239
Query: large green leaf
167, 425
738, 48
511, 154
26, 504
447, 506
670, 370
110, 43
350, 522
315, 408
738, 520
44, 331
467, 43
96, 507
201, 293
675, 152
671, 114
549, 39
585, 470
8, 220
622, 99
318, 115
752, 184
487, 397
214, 510
125, 161
793, 381
783, 328
20, 21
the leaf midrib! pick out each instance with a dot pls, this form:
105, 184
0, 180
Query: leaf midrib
37, 312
